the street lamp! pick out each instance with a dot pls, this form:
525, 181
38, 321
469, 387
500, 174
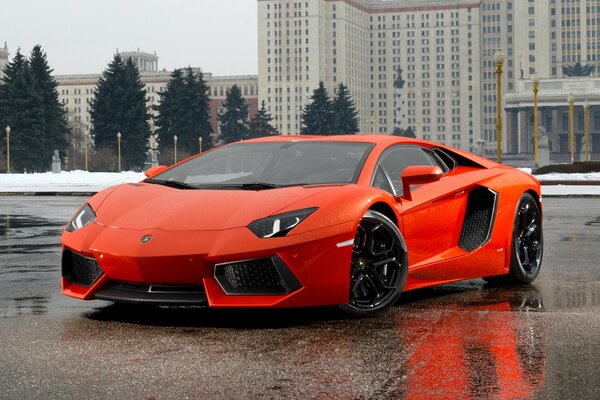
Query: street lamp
119, 149
586, 124
200, 143
85, 146
499, 60
571, 100
535, 79
175, 143
372, 123
7, 149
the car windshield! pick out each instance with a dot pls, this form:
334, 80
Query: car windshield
268, 165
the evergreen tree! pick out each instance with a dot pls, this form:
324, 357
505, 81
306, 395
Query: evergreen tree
184, 111
408, 132
169, 118
234, 120
198, 112
261, 123
54, 114
344, 112
22, 108
317, 117
119, 105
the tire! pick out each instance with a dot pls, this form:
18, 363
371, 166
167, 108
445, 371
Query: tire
527, 244
378, 268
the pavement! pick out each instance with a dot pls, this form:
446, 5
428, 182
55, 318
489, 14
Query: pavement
463, 340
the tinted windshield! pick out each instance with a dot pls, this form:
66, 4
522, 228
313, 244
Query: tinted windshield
273, 163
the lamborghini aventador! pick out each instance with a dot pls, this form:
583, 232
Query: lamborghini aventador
297, 221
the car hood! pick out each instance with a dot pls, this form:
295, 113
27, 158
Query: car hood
143, 206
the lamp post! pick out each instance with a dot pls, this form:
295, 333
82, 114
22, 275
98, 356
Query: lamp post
175, 144
200, 143
586, 124
372, 123
85, 151
535, 80
571, 100
7, 149
499, 60
119, 149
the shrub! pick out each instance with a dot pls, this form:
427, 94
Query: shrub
578, 167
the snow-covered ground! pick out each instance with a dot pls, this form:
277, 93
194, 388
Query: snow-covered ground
82, 181
72, 181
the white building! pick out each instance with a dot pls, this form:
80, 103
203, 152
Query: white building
445, 48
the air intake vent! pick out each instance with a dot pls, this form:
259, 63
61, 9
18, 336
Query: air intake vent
479, 218
256, 277
79, 269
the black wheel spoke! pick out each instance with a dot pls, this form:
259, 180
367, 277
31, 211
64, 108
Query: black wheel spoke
376, 274
528, 237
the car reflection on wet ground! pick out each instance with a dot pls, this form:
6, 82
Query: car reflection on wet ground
464, 340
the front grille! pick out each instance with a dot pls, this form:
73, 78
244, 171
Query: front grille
260, 276
79, 269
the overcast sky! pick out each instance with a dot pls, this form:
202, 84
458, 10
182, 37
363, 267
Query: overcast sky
81, 36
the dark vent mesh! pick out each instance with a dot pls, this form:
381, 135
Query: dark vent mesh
79, 269
478, 219
253, 276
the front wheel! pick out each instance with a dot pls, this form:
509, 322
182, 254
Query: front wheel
378, 268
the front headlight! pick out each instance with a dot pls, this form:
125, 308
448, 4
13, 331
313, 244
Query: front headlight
281, 224
84, 216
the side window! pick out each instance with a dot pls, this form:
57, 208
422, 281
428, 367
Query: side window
396, 159
381, 181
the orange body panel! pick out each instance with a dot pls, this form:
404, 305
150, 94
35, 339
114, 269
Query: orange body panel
193, 230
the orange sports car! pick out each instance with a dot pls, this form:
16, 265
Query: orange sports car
296, 221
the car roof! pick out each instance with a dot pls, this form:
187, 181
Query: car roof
365, 138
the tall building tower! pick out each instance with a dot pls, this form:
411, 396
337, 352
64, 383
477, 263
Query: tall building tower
363, 43
3, 59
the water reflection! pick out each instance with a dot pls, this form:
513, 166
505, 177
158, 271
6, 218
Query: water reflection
479, 348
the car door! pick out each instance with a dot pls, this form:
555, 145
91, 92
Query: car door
432, 219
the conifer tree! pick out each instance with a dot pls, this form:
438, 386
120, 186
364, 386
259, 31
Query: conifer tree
168, 120
119, 105
408, 132
344, 112
55, 137
22, 108
184, 111
261, 123
317, 117
234, 119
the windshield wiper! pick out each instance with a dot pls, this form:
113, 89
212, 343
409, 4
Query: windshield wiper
249, 186
173, 184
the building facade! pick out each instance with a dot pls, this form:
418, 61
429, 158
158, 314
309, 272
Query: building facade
77, 91
445, 49
553, 117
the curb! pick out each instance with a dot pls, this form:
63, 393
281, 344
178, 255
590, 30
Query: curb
569, 183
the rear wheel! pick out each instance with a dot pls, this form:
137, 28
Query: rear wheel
527, 244
378, 268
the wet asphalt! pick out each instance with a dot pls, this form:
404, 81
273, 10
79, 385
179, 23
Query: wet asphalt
465, 340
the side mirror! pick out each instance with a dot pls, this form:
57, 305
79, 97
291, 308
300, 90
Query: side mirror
153, 171
418, 175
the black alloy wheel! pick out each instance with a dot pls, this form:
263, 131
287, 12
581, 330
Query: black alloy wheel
527, 243
378, 268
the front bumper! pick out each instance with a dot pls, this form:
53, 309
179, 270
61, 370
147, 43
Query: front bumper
189, 267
